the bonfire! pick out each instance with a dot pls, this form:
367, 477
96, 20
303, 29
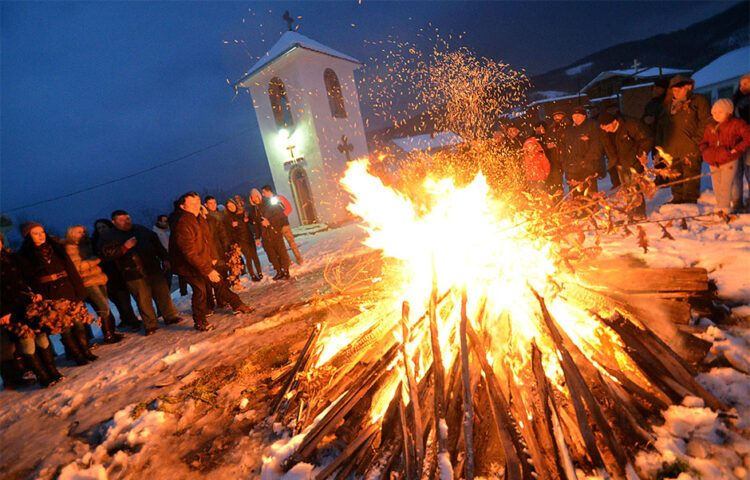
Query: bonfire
503, 348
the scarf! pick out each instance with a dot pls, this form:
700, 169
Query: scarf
45, 252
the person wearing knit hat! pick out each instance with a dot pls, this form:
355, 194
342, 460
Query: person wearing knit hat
724, 143
741, 101
27, 226
678, 128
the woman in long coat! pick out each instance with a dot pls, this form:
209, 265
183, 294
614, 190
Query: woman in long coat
50, 272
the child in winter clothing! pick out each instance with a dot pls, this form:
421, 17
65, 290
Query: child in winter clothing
535, 164
724, 142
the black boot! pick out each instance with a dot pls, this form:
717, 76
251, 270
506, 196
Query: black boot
72, 348
35, 364
48, 360
279, 275
11, 372
80, 335
108, 329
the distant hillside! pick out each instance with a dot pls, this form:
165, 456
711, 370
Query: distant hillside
690, 48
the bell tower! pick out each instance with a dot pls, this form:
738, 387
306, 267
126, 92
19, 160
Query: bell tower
306, 102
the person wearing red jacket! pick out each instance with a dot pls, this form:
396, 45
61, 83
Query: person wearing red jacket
724, 142
535, 164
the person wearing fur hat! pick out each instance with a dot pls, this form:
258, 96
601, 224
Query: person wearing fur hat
741, 100
724, 143
48, 270
679, 130
78, 248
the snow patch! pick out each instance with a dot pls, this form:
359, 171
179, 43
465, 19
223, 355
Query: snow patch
578, 69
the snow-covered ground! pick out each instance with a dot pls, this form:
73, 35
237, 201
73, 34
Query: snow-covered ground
184, 404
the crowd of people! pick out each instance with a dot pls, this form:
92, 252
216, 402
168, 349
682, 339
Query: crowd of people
121, 262
678, 130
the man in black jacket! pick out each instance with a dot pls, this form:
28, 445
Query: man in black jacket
268, 217
582, 153
553, 144
194, 258
138, 254
626, 144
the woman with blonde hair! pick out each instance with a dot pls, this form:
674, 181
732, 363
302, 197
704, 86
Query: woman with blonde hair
78, 247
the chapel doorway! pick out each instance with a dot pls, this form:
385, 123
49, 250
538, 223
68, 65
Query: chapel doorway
302, 195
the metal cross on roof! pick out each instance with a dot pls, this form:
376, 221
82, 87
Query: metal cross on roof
288, 19
345, 147
635, 65
291, 150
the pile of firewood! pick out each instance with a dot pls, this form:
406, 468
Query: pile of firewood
387, 408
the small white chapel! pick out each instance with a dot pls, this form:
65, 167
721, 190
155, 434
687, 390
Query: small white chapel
307, 106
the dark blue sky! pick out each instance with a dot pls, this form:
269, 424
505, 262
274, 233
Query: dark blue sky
94, 91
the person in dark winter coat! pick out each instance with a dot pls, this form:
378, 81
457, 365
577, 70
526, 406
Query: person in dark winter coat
679, 130
138, 254
78, 248
194, 258
286, 230
49, 272
626, 143
553, 143
268, 218
724, 143
215, 219
741, 100
655, 106
117, 290
582, 152
34, 344
239, 230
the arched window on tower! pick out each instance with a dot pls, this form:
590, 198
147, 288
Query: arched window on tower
335, 97
282, 112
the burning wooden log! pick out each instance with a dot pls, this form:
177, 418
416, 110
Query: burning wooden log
579, 391
517, 464
340, 408
300, 366
413, 390
467, 393
660, 282
548, 426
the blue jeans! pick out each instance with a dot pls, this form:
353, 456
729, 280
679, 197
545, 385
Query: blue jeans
146, 289
28, 344
98, 298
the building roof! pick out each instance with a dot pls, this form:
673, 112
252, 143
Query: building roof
427, 141
638, 85
288, 42
652, 72
728, 66
557, 99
